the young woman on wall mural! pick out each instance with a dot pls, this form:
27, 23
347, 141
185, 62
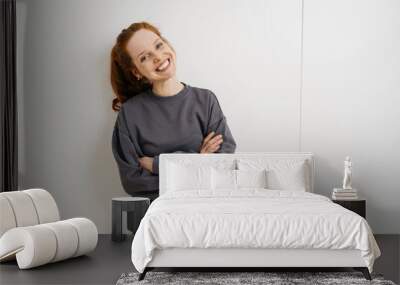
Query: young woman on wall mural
156, 112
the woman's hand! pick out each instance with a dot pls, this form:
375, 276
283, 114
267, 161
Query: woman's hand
147, 163
211, 144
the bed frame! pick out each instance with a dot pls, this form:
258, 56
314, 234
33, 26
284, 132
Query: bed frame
248, 259
237, 259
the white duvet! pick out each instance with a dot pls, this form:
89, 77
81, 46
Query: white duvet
251, 218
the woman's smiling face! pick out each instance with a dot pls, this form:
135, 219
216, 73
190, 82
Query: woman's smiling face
153, 58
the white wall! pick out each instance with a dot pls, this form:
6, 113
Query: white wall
326, 84
351, 88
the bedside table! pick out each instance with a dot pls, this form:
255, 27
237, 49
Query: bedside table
136, 205
358, 206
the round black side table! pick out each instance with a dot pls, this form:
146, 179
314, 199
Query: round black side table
137, 205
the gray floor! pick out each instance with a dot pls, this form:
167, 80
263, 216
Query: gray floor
110, 259
103, 266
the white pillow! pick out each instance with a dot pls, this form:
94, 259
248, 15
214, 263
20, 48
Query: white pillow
293, 178
183, 177
282, 174
229, 179
223, 179
251, 178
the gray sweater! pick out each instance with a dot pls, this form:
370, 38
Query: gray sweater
149, 124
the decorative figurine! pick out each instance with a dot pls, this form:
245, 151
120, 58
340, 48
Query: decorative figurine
347, 173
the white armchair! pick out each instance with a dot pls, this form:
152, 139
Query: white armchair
32, 233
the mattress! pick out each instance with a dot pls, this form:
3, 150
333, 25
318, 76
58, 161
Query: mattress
252, 219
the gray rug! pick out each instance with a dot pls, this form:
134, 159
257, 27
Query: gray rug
230, 278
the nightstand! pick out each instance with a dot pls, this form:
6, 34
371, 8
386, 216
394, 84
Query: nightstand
136, 205
358, 206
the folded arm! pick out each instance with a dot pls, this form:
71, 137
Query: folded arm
218, 123
134, 178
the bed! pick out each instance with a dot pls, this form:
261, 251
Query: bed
247, 210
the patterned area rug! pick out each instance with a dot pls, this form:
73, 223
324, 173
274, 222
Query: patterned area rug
230, 278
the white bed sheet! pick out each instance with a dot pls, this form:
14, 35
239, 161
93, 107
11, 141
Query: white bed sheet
250, 218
